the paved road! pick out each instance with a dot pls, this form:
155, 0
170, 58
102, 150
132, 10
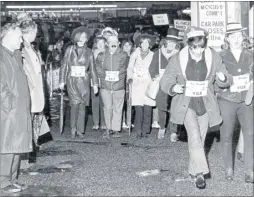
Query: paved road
98, 167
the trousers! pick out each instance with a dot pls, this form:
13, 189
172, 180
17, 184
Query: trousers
97, 109
78, 113
196, 127
113, 108
9, 166
143, 118
165, 123
230, 111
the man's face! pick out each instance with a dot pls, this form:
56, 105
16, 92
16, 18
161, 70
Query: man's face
169, 45
235, 40
113, 43
15, 38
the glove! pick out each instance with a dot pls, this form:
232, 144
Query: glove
95, 89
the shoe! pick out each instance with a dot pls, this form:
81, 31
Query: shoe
124, 126
249, 177
95, 127
11, 189
103, 127
173, 137
155, 125
240, 157
200, 182
141, 135
116, 134
106, 134
73, 133
20, 185
229, 174
161, 133
79, 134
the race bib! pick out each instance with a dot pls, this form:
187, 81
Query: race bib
161, 71
240, 83
196, 88
112, 76
140, 72
78, 71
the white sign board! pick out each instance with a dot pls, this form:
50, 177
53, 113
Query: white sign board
181, 25
212, 17
160, 19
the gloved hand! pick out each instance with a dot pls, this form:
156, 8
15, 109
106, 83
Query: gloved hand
220, 76
179, 89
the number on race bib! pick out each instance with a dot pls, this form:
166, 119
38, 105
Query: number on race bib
196, 88
78, 71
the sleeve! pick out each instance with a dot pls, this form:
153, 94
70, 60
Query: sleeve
169, 78
222, 68
153, 68
131, 65
64, 67
93, 71
99, 62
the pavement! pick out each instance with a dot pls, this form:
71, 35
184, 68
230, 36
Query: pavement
93, 166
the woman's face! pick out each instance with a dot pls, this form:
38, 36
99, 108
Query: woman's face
127, 47
32, 35
82, 40
101, 44
145, 45
235, 40
169, 45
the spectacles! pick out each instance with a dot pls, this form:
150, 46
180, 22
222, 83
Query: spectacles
198, 46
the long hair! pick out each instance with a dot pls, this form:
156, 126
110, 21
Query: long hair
163, 42
128, 41
245, 42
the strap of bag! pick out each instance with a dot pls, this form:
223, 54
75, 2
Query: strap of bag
159, 59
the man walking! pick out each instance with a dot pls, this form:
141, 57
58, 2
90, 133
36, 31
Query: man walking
112, 69
16, 125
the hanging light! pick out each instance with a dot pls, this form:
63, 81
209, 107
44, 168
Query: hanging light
58, 6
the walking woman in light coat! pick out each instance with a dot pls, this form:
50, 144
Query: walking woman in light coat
138, 74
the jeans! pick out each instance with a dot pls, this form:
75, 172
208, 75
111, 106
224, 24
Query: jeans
196, 127
143, 119
78, 113
97, 109
113, 108
9, 166
230, 111
163, 117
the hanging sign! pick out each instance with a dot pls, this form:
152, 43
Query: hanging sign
181, 25
212, 17
160, 19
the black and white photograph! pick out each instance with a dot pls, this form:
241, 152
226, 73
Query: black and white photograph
126, 98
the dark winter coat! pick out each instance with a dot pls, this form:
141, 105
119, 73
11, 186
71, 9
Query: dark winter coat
16, 124
78, 87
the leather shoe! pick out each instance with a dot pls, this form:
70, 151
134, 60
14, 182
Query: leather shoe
200, 182
229, 174
249, 177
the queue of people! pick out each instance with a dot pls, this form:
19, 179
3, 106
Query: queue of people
199, 88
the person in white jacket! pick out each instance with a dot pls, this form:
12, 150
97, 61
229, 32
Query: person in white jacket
32, 67
138, 74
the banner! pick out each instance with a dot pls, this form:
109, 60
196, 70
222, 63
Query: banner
181, 25
212, 17
160, 19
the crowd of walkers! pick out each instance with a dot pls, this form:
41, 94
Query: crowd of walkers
198, 88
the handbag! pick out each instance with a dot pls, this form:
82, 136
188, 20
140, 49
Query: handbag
153, 88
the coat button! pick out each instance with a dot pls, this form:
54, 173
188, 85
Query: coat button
239, 70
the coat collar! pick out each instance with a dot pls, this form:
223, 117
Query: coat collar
184, 57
